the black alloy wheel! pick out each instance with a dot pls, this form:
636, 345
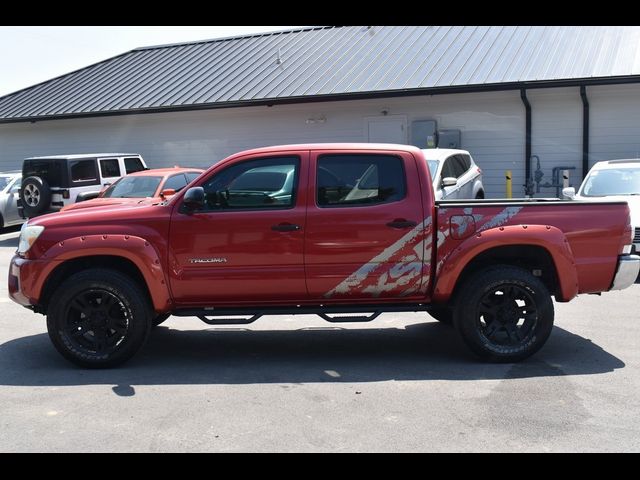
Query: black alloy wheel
99, 318
507, 315
95, 323
504, 313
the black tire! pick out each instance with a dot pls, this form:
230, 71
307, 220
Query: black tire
35, 196
98, 318
160, 319
504, 313
480, 195
442, 314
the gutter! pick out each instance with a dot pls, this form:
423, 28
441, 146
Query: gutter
585, 131
494, 87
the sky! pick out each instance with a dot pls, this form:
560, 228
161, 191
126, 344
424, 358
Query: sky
30, 55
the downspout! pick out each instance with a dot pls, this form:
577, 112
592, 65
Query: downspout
527, 149
585, 131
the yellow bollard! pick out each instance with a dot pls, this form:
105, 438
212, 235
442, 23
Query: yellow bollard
508, 177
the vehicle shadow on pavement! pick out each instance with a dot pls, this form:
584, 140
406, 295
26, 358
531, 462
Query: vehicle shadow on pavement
424, 351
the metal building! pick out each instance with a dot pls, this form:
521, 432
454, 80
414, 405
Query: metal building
566, 96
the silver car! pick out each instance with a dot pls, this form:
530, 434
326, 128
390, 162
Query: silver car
455, 175
10, 183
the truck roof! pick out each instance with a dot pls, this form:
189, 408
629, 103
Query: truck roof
334, 146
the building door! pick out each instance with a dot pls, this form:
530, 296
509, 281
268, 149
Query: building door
387, 129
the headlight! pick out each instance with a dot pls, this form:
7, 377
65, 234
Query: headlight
28, 235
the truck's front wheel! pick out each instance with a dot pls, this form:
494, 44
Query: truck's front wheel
98, 318
504, 313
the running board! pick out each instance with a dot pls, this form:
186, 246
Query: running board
330, 313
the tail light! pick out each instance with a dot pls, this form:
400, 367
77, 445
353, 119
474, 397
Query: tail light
479, 170
627, 240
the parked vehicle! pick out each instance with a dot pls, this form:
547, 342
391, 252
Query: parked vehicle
145, 187
615, 179
455, 174
50, 183
357, 232
9, 193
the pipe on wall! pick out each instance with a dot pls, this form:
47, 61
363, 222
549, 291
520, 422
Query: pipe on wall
585, 130
527, 148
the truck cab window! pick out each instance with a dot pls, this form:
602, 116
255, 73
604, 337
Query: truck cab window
268, 183
352, 180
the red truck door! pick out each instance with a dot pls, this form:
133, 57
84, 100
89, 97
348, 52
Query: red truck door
247, 243
366, 233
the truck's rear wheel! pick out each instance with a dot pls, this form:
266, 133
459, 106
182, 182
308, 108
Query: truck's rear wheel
504, 314
98, 318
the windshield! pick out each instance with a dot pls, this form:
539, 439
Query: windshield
4, 181
133, 187
433, 167
618, 181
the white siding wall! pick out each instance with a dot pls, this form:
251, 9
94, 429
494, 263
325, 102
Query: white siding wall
492, 125
556, 134
615, 122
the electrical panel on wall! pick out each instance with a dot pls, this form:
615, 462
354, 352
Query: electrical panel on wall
449, 138
423, 133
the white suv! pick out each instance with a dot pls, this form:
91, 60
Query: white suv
50, 183
454, 174
616, 180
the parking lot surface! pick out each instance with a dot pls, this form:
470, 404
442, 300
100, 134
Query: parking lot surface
403, 382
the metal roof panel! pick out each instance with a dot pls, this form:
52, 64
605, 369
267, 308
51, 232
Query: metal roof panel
329, 61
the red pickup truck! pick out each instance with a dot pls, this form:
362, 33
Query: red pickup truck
345, 231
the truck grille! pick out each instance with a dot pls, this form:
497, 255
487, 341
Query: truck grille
636, 238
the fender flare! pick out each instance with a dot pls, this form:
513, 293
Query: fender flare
137, 250
550, 238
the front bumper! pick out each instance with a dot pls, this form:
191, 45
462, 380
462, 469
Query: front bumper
627, 272
26, 279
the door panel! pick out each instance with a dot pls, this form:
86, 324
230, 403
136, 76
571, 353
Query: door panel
359, 245
248, 248
387, 129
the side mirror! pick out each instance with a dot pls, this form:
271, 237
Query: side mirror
194, 198
167, 192
569, 192
449, 182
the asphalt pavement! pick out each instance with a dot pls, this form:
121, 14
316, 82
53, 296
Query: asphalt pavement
401, 383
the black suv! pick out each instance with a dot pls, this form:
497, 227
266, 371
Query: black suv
50, 183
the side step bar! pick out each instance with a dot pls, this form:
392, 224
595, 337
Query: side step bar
333, 313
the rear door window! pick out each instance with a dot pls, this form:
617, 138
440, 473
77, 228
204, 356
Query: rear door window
109, 167
133, 164
354, 180
83, 171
